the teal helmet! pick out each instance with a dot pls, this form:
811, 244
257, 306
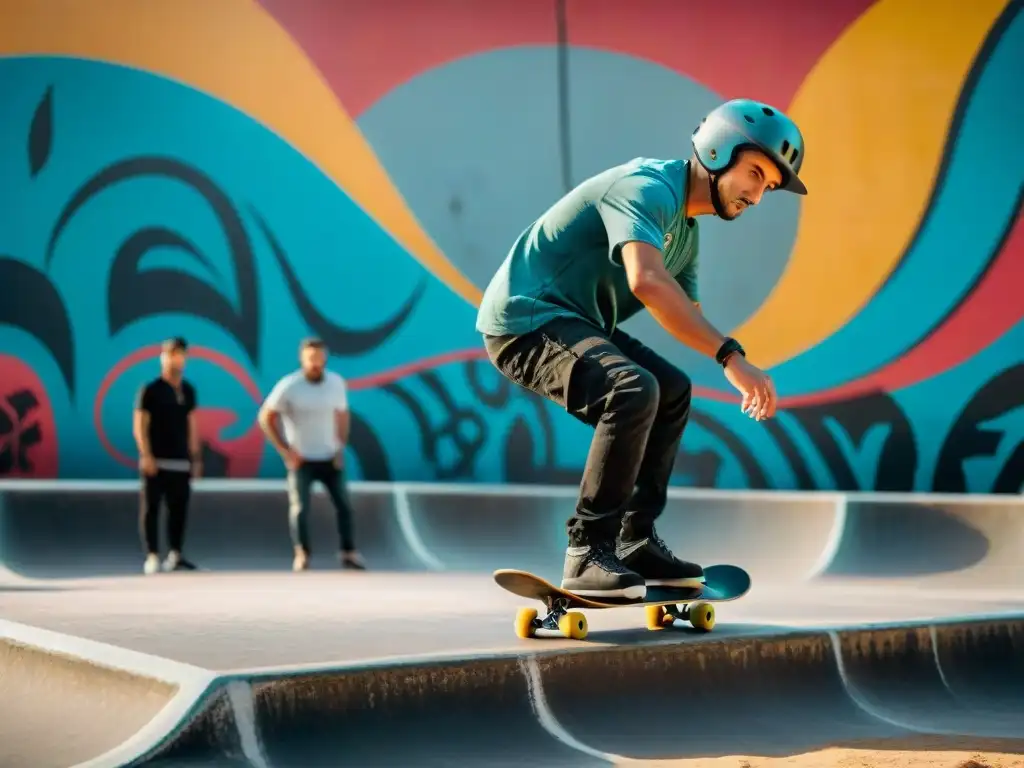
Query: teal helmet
743, 123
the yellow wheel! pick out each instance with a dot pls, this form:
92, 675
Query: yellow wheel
524, 622
573, 625
702, 616
656, 615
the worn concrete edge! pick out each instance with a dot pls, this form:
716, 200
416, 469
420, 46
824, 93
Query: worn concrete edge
535, 648
528, 660
197, 686
194, 685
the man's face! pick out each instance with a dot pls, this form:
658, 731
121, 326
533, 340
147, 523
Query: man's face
173, 361
313, 361
746, 182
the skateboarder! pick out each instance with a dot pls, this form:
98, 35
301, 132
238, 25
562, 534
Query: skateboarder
624, 240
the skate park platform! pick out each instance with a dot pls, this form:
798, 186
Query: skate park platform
881, 622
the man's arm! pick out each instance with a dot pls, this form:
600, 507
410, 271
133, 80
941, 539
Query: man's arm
342, 420
140, 423
687, 280
270, 423
195, 449
635, 211
270, 418
140, 430
666, 301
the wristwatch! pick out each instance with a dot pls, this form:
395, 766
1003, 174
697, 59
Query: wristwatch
728, 347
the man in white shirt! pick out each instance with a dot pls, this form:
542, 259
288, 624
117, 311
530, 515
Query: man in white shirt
312, 404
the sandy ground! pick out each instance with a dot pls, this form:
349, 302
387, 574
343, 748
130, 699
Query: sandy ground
855, 758
926, 752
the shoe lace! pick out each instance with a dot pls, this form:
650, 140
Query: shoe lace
659, 542
604, 556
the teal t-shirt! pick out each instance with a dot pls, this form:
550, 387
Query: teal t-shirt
568, 262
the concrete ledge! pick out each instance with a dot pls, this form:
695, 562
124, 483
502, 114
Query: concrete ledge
783, 692
107, 704
777, 694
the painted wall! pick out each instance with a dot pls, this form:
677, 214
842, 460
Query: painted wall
245, 173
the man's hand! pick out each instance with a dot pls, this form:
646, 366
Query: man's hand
755, 385
197, 468
291, 458
147, 464
339, 459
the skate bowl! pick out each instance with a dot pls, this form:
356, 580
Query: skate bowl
90, 529
939, 686
781, 684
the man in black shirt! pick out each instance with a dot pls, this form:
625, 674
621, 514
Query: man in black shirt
168, 439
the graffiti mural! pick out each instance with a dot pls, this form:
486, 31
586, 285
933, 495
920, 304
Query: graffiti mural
330, 168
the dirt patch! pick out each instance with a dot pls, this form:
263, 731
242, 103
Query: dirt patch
926, 752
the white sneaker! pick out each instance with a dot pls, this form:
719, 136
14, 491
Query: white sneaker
152, 564
171, 561
301, 561
176, 562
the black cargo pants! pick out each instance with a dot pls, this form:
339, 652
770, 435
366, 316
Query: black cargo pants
637, 402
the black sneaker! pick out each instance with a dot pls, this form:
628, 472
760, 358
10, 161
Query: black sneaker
652, 559
594, 571
352, 559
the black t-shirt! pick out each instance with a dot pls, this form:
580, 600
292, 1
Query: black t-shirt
168, 410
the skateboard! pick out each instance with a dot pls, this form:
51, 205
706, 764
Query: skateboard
664, 605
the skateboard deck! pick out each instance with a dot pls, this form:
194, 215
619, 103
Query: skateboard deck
664, 605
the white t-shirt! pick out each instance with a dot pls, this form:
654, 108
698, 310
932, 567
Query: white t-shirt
307, 412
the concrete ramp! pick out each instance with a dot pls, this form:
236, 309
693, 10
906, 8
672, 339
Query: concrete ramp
443, 713
92, 529
942, 679
970, 540
70, 702
777, 537
94, 709
942, 686
74, 530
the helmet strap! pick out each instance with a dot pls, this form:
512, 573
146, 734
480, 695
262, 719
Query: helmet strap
716, 198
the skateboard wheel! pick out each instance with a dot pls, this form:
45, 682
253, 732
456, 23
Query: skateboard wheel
657, 617
701, 616
524, 622
573, 625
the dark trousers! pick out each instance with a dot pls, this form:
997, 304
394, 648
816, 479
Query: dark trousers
175, 488
300, 483
637, 402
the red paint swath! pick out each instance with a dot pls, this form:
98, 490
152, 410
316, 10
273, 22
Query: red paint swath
745, 48
365, 48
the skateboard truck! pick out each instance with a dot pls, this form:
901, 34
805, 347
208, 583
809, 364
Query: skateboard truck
573, 624
558, 620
